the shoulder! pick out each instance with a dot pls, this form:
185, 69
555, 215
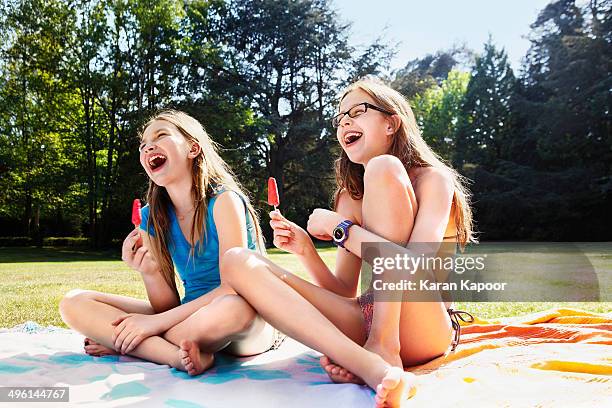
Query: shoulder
227, 204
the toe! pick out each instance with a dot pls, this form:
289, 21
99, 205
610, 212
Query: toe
393, 377
381, 391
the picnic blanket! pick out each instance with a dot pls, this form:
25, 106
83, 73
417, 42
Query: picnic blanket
557, 358
554, 358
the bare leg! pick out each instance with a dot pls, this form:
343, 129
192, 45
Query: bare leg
91, 314
388, 209
227, 322
400, 334
253, 279
403, 332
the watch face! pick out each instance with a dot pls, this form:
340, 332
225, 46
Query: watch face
338, 234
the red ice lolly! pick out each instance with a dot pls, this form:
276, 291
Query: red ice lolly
136, 220
273, 193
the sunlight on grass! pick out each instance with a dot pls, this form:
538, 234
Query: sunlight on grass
33, 281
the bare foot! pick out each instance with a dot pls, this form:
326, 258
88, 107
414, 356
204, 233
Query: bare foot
339, 374
395, 387
192, 360
93, 348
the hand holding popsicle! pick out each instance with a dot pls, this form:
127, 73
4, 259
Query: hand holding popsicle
289, 236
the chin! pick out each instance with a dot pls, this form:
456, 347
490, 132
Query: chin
160, 181
355, 158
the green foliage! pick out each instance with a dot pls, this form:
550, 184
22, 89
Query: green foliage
421, 74
486, 125
544, 175
438, 112
287, 60
79, 78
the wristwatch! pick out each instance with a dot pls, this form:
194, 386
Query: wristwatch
341, 233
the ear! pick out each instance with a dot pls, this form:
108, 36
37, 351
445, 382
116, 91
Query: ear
194, 151
393, 123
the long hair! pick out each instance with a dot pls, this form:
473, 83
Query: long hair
408, 146
209, 174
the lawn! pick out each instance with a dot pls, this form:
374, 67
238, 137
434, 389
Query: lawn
33, 280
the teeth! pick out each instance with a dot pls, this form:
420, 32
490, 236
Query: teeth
153, 159
350, 137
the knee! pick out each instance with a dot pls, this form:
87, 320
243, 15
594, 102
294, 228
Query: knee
71, 301
239, 316
385, 168
234, 261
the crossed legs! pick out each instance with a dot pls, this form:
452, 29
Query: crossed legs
187, 346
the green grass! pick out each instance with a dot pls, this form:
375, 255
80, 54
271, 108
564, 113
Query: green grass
33, 281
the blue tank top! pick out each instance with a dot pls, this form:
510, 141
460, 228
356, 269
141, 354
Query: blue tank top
200, 272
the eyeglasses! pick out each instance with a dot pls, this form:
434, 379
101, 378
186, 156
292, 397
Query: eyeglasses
356, 111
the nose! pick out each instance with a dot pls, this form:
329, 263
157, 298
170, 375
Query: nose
346, 120
148, 148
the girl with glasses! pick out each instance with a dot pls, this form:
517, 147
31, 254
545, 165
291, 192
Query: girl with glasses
391, 187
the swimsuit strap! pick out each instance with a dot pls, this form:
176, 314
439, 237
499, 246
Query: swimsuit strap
455, 315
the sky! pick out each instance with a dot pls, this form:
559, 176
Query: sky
426, 26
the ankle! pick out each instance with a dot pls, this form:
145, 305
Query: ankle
383, 344
176, 363
376, 372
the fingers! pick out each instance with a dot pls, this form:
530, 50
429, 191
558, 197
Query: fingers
133, 344
120, 339
276, 215
118, 335
119, 320
127, 342
280, 224
130, 243
283, 233
138, 256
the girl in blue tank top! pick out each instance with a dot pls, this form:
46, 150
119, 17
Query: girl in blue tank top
196, 211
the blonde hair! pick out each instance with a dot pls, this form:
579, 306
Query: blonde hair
408, 146
209, 174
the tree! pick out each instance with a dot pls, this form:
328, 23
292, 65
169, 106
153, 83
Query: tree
438, 112
421, 74
287, 60
29, 98
486, 126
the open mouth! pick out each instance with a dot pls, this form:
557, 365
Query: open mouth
157, 161
352, 137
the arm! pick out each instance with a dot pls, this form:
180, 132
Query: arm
292, 238
161, 296
346, 277
435, 195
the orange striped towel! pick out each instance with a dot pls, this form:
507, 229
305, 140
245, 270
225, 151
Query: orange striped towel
556, 358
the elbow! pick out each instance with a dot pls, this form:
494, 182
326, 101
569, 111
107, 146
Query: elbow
342, 289
161, 308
